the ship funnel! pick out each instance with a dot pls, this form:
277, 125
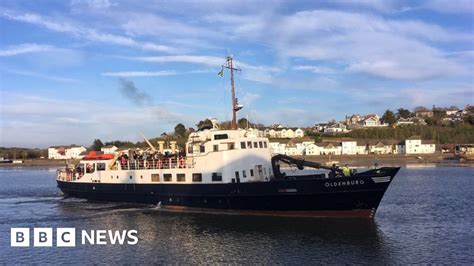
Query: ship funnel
161, 146
173, 146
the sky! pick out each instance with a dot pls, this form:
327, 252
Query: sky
75, 70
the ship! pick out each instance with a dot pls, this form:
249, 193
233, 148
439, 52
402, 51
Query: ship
229, 171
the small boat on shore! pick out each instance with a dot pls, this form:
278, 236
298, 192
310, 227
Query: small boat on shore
228, 171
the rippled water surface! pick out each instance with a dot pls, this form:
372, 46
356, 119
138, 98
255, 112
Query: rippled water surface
426, 216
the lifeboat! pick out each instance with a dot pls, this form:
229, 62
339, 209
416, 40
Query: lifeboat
94, 156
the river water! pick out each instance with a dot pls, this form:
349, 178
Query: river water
426, 216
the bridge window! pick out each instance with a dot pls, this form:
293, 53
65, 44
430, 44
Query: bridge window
265, 144
244, 173
216, 177
242, 145
237, 174
260, 144
155, 177
100, 166
90, 167
216, 147
167, 177
230, 146
197, 177
251, 172
249, 144
220, 136
181, 177
202, 148
255, 144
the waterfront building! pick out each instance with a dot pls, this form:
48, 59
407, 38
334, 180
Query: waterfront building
65, 152
415, 145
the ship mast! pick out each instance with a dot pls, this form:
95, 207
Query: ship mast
235, 105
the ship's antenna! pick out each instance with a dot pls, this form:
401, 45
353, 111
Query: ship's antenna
235, 105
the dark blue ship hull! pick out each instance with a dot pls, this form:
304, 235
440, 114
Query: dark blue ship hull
355, 196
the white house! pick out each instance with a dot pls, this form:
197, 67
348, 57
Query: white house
336, 128
287, 133
349, 147
109, 149
65, 152
327, 148
372, 121
299, 133
405, 121
415, 145
278, 146
312, 149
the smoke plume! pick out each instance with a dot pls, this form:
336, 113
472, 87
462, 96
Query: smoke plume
127, 89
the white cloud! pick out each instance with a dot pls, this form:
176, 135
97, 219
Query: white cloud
42, 76
263, 74
61, 121
91, 4
25, 49
394, 49
139, 24
315, 69
449, 6
213, 61
139, 73
85, 33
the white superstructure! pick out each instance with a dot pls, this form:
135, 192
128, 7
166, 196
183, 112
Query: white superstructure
212, 156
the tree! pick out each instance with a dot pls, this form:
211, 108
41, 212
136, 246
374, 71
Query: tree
204, 123
403, 113
243, 122
180, 131
389, 117
97, 145
419, 109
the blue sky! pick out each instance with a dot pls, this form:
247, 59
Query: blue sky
72, 71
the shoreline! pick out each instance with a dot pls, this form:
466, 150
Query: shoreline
365, 160
388, 159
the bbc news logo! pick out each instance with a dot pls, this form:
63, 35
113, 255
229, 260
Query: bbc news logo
66, 237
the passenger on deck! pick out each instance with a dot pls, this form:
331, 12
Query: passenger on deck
333, 171
123, 160
346, 171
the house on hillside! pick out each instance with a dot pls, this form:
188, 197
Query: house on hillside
424, 113
354, 121
320, 127
336, 128
372, 120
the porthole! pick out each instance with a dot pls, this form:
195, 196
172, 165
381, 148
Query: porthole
131, 177
141, 177
117, 177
